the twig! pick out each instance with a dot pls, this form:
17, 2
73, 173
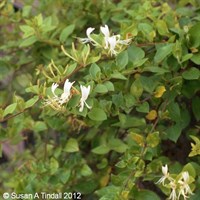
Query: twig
11, 116
74, 72
150, 44
157, 120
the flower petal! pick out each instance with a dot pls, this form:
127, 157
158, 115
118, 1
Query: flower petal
84, 92
53, 88
105, 31
89, 31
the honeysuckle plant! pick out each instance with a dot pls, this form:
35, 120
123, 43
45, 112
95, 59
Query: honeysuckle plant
56, 102
112, 43
84, 95
179, 186
100, 103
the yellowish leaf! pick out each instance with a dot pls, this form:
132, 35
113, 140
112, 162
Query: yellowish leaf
159, 91
152, 115
105, 179
125, 194
139, 139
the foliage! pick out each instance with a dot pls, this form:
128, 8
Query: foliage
142, 81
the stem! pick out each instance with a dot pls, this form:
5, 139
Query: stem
150, 44
157, 120
74, 72
14, 115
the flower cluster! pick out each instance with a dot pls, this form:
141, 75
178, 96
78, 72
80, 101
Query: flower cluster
110, 42
57, 102
179, 186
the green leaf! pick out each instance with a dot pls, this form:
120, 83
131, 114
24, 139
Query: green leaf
195, 196
54, 165
195, 147
66, 32
127, 121
26, 10
136, 88
190, 88
102, 149
9, 109
86, 187
31, 102
187, 57
145, 195
39, 19
108, 193
118, 99
94, 71
70, 68
86, 170
39, 126
117, 75
74, 101
191, 74
196, 107
162, 27
135, 53
109, 86
121, 164
93, 59
194, 33
97, 114
139, 63
157, 70
153, 139
33, 89
190, 169
122, 60
64, 175
28, 30
174, 111
130, 100
1, 151
147, 31
100, 88
174, 132
71, 146
117, 145
149, 83
28, 41
196, 58
144, 108
162, 52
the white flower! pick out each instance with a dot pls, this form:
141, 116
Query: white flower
173, 195
57, 101
88, 33
186, 176
66, 94
184, 185
112, 41
165, 173
53, 88
125, 42
84, 95
106, 32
